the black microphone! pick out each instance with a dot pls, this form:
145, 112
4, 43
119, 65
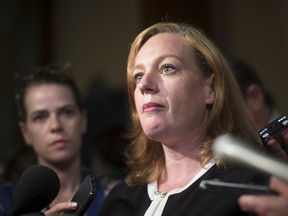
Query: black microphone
36, 189
119, 206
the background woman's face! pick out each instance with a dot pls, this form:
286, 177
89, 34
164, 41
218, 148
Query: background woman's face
171, 93
54, 125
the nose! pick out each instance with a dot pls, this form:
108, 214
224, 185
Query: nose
55, 123
148, 84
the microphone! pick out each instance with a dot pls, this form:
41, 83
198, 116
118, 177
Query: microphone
119, 206
36, 189
236, 150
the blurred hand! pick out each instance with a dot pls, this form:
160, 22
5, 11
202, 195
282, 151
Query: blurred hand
59, 208
268, 205
277, 149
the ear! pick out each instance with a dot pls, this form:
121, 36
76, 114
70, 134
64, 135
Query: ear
25, 133
254, 97
210, 97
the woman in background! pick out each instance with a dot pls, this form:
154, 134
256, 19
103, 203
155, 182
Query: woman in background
52, 122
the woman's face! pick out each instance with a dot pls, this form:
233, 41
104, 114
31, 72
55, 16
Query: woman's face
54, 125
171, 94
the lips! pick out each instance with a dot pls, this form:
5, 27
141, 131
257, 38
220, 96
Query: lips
147, 107
59, 143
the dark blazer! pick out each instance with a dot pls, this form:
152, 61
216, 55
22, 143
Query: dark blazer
193, 201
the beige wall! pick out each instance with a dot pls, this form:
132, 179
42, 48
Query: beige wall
260, 32
257, 31
95, 36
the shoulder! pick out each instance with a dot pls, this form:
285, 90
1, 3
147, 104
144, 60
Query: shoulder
6, 196
125, 198
239, 174
123, 188
7, 188
125, 192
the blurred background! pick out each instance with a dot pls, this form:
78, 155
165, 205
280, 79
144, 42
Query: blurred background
95, 36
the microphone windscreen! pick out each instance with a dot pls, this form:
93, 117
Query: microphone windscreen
236, 150
118, 206
36, 189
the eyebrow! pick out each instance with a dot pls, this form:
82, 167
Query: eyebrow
159, 59
73, 106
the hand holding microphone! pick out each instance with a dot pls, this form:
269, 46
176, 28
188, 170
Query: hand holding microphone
37, 188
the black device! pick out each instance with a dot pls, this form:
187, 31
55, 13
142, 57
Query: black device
215, 185
84, 196
274, 130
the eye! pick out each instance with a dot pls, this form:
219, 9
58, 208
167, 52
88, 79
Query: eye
39, 117
67, 112
168, 69
137, 77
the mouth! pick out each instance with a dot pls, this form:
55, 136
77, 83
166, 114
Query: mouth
59, 143
147, 107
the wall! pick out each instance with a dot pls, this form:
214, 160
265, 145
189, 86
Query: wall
256, 31
95, 37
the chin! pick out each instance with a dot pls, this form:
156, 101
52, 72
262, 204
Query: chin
155, 135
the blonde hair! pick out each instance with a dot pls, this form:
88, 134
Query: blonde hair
228, 114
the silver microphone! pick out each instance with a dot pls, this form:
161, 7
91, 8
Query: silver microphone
235, 150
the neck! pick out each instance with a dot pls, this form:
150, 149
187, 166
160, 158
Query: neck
70, 179
182, 162
179, 171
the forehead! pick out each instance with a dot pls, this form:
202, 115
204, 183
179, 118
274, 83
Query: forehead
165, 44
43, 96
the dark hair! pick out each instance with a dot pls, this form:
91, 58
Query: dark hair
50, 74
246, 75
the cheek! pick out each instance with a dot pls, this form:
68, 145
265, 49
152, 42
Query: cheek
76, 128
137, 100
83, 125
189, 99
36, 135
71, 127
37, 141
